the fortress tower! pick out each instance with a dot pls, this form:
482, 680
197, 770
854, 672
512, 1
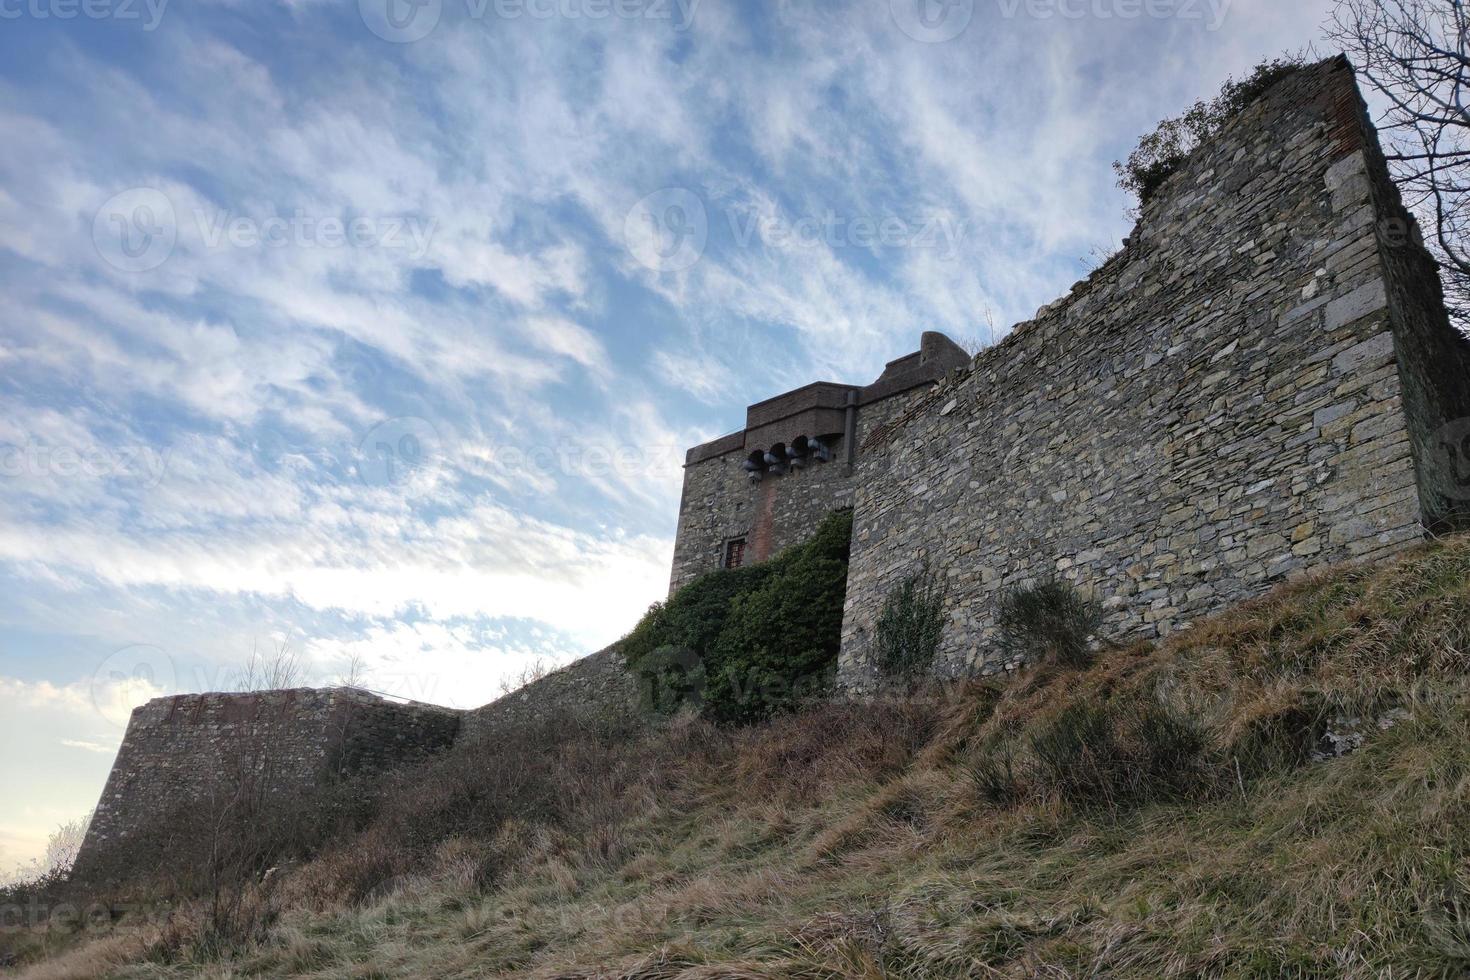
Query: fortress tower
752, 493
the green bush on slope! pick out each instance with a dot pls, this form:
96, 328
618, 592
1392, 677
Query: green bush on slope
747, 643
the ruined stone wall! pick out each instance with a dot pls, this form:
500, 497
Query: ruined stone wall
1217, 408
180, 751
598, 686
1434, 362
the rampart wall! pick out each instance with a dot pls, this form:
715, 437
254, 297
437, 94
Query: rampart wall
179, 751
1253, 386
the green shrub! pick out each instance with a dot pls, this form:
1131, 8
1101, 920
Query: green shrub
747, 643
1120, 753
995, 773
1161, 153
910, 626
1050, 622
1079, 756
1170, 752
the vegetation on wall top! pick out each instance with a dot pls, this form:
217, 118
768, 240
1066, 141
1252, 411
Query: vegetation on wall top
1160, 154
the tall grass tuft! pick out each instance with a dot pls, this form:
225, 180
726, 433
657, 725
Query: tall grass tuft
1049, 622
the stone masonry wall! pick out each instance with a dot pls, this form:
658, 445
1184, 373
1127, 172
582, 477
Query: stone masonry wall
1217, 408
179, 750
1434, 362
598, 685
720, 503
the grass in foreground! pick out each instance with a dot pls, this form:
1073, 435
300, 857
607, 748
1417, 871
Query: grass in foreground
930, 838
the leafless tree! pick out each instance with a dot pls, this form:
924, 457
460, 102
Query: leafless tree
986, 337
355, 672
1415, 55
269, 669
64, 843
239, 817
527, 676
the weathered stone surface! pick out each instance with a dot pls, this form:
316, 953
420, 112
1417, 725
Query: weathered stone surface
721, 504
179, 749
1229, 409
599, 685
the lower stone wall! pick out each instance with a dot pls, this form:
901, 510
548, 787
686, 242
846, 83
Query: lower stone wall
597, 687
180, 751
370, 734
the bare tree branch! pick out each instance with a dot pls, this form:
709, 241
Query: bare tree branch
1415, 54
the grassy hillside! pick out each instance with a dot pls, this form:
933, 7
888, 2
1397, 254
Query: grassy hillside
1172, 811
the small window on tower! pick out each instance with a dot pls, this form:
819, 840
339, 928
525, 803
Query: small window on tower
735, 553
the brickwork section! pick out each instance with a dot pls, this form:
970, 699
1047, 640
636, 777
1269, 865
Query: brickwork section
178, 750
1218, 408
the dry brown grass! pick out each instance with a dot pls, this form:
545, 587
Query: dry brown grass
853, 840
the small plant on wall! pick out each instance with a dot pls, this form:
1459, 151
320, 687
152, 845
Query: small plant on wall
1161, 154
1049, 622
910, 626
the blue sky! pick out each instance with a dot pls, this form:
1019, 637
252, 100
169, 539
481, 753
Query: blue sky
383, 336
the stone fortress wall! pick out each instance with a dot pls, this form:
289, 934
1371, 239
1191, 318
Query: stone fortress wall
769, 485
597, 687
178, 749
1263, 379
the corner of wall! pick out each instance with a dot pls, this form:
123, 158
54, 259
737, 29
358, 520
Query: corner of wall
1433, 357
